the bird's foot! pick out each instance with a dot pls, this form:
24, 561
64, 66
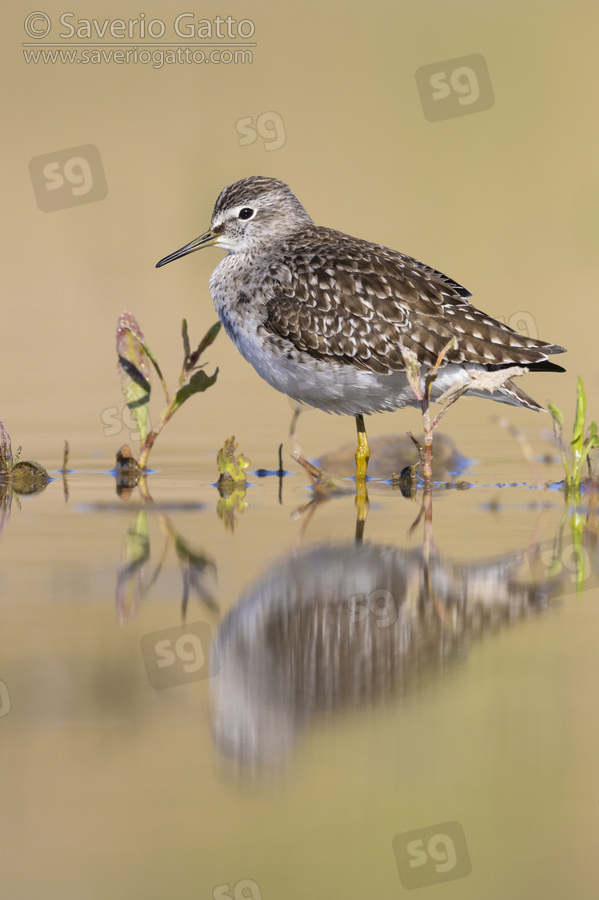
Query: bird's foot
320, 480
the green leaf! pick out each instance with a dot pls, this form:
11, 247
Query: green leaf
134, 369
198, 382
209, 338
229, 464
131, 325
581, 404
195, 567
556, 413
186, 554
592, 436
577, 442
129, 586
577, 523
591, 441
186, 347
137, 546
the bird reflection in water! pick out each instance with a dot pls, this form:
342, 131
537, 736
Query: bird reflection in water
340, 626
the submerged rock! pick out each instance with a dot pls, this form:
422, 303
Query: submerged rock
390, 454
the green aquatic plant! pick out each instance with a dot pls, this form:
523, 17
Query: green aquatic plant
231, 483
582, 525
584, 440
135, 580
135, 361
231, 467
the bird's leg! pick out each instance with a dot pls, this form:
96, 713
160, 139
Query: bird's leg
297, 453
363, 451
292, 431
317, 476
362, 504
362, 457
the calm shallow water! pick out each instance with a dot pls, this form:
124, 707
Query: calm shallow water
321, 698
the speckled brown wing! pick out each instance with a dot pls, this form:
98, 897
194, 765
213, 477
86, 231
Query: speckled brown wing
339, 298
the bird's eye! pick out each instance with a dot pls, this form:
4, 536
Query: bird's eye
245, 213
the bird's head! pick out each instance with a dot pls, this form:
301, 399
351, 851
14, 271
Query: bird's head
249, 215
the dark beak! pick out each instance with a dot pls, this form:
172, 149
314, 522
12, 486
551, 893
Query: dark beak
204, 240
